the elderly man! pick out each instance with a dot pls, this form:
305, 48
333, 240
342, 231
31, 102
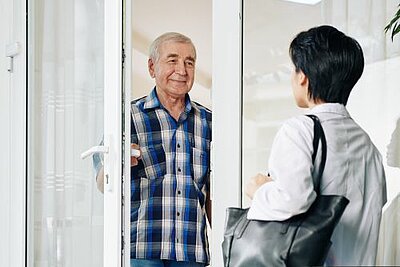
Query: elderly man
170, 178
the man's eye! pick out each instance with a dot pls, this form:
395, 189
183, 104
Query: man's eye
190, 63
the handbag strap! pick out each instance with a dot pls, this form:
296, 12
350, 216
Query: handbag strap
319, 135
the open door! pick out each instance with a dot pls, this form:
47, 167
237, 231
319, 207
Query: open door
75, 100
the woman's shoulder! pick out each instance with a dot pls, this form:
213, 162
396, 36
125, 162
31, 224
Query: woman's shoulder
298, 130
300, 124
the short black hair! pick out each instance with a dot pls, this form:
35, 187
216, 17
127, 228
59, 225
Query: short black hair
332, 61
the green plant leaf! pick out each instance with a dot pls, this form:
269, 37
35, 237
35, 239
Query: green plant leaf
394, 24
393, 30
396, 30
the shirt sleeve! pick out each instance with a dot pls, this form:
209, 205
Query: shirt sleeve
290, 165
98, 160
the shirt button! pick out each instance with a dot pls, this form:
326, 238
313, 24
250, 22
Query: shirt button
178, 145
179, 192
178, 213
179, 169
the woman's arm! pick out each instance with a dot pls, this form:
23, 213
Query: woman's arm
291, 191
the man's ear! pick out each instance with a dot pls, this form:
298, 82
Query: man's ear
150, 65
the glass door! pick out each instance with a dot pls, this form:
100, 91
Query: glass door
267, 101
74, 106
267, 94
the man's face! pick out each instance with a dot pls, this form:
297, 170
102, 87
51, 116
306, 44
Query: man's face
174, 70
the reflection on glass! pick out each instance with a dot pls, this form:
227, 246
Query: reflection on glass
67, 111
269, 26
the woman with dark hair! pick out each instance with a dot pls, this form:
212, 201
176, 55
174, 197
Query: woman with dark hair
327, 65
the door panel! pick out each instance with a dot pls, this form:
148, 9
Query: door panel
66, 106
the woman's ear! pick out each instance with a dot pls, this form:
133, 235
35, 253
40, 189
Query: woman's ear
303, 80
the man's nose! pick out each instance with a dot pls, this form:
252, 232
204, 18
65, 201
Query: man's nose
180, 68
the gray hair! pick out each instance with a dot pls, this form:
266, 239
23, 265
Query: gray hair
154, 51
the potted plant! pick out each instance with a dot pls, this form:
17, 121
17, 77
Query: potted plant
394, 24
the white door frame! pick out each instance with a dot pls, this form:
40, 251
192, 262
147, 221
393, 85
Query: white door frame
13, 203
16, 241
227, 116
127, 85
113, 129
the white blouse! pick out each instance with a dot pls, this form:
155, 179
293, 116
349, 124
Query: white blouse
353, 169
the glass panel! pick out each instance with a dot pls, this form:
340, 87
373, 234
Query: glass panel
67, 105
269, 26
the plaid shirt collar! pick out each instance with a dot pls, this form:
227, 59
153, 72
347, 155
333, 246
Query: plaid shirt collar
152, 101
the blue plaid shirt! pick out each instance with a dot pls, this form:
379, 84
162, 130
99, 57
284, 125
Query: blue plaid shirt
169, 184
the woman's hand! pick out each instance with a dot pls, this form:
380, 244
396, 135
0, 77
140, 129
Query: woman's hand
255, 183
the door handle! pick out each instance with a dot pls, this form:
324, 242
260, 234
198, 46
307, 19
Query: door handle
94, 149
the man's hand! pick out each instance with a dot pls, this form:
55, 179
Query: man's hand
134, 160
255, 183
100, 180
100, 175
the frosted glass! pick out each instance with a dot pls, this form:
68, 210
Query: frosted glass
67, 104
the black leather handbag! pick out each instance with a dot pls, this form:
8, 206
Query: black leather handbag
302, 240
